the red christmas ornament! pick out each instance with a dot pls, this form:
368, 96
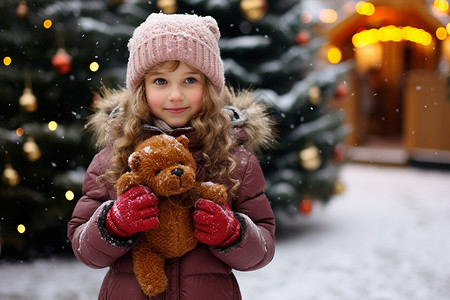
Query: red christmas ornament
305, 206
339, 153
303, 37
62, 62
341, 90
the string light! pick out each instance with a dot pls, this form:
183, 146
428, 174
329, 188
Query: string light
365, 8
328, 15
21, 228
442, 5
19, 131
441, 33
391, 33
52, 125
47, 24
94, 66
334, 55
7, 60
69, 195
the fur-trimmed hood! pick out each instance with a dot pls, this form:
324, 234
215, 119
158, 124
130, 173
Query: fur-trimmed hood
250, 120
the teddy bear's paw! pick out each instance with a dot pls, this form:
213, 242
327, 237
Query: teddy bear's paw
214, 192
125, 182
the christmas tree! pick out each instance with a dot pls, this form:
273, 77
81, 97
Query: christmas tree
268, 46
56, 55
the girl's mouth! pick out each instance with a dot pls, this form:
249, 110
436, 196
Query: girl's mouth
178, 110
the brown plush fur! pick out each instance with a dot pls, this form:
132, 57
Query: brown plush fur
165, 164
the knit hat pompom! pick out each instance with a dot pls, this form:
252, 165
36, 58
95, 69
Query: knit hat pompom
188, 38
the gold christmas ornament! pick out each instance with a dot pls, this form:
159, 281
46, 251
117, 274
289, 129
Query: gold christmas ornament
310, 158
31, 150
314, 94
167, 6
253, 10
10, 176
22, 10
339, 188
28, 101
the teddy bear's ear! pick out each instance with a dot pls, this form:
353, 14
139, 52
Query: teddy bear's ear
183, 140
133, 161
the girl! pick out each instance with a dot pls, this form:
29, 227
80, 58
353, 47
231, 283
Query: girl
175, 85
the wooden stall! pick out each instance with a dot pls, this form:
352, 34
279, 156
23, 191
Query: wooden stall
397, 102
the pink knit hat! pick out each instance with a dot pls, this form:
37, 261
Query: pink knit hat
187, 38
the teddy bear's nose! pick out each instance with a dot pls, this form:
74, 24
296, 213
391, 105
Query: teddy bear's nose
177, 172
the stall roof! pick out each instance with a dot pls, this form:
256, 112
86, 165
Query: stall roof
415, 13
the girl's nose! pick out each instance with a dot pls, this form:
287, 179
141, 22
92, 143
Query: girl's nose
175, 94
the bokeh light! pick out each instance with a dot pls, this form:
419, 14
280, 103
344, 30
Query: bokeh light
7, 60
334, 55
21, 228
47, 24
365, 8
441, 33
328, 15
393, 34
94, 66
69, 195
19, 131
442, 5
52, 125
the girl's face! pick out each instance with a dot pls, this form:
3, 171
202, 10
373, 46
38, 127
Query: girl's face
175, 96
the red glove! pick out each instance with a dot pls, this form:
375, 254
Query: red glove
134, 211
215, 224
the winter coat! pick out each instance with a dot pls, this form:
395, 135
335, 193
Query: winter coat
206, 271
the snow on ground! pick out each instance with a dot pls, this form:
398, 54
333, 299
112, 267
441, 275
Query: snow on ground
385, 238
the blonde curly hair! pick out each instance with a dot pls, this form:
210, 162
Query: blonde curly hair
124, 127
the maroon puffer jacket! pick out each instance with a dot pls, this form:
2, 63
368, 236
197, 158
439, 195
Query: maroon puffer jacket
203, 273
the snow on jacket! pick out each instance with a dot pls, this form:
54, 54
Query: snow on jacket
206, 271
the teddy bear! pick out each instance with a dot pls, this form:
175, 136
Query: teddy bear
165, 164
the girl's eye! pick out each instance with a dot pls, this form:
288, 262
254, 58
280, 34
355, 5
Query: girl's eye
191, 80
160, 81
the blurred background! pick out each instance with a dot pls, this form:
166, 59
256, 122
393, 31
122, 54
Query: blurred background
348, 82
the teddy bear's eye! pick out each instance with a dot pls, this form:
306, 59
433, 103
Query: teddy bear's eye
157, 172
181, 163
